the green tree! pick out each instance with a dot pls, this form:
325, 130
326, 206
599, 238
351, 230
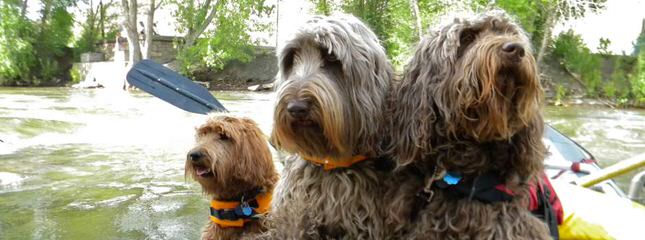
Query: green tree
577, 59
324, 7
397, 23
96, 24
638, 82
16, 49
539, 17
640, 41
217, 32
31, 51
603, 47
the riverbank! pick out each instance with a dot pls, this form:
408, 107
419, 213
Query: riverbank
594, 102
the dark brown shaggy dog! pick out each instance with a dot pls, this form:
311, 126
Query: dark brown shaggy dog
469, 104
332, 85
232, 162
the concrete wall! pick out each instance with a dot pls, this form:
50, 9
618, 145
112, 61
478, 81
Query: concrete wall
164, 49
235, 75
262, 69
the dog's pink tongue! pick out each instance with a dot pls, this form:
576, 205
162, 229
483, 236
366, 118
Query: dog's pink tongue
202, 171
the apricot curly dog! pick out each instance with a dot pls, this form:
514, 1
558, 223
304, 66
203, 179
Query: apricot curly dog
332, 83
233, 164
466, 118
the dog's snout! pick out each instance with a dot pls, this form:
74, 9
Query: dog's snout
513, 48
195, 155
298, 109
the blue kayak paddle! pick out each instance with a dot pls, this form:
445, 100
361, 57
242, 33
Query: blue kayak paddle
173, 88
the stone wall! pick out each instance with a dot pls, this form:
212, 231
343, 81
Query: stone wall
238, 75
111, 72
164, 49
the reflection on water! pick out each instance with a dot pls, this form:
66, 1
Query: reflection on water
97, 164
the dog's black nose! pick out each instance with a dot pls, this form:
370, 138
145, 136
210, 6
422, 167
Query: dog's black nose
298, 109
195, 155
513, 48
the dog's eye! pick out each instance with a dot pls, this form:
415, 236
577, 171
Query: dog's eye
223, 137
328, 56
467, 37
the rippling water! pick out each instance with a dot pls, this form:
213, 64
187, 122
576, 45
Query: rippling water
100, 164
610, 135
97, 164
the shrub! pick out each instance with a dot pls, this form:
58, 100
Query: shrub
575, 56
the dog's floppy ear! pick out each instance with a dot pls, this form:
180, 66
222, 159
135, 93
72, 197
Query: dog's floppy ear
253, 158
411, 111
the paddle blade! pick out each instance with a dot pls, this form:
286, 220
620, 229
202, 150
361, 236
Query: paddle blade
173, 88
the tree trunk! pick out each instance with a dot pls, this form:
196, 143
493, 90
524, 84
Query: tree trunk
192, 36
149, 29
415, 12
45, 14
102, 19
23, 10
130, 25
546, 37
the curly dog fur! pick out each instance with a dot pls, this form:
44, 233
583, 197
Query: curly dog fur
231, 159
469, 102
332, 87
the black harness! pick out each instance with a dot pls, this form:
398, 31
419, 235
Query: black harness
244, 211
487, 188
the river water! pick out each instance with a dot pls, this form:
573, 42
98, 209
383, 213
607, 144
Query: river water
101, 164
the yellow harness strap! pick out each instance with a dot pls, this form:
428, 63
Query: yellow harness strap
264, 204
329, 164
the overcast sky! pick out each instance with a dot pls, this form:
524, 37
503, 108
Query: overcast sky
621, 23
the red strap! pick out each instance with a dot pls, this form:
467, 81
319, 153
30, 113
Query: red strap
556, 205
533, 197
504, 189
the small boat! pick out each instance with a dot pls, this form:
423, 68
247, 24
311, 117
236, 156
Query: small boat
603, 211
568, 161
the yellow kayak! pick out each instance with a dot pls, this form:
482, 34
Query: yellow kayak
592, 215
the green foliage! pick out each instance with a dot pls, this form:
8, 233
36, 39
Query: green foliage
603, 47
638, 82
16, 49
560, 94
75, 74
531, 15
640, 41
609, 89
618, 85
391, 20
228, 36
574, 55
97, 26
324, 7
30, 50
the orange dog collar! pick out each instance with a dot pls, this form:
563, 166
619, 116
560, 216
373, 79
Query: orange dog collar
236, 213
329, 164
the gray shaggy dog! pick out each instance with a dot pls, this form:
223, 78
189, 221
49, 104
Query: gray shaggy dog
467, 106
332, 87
